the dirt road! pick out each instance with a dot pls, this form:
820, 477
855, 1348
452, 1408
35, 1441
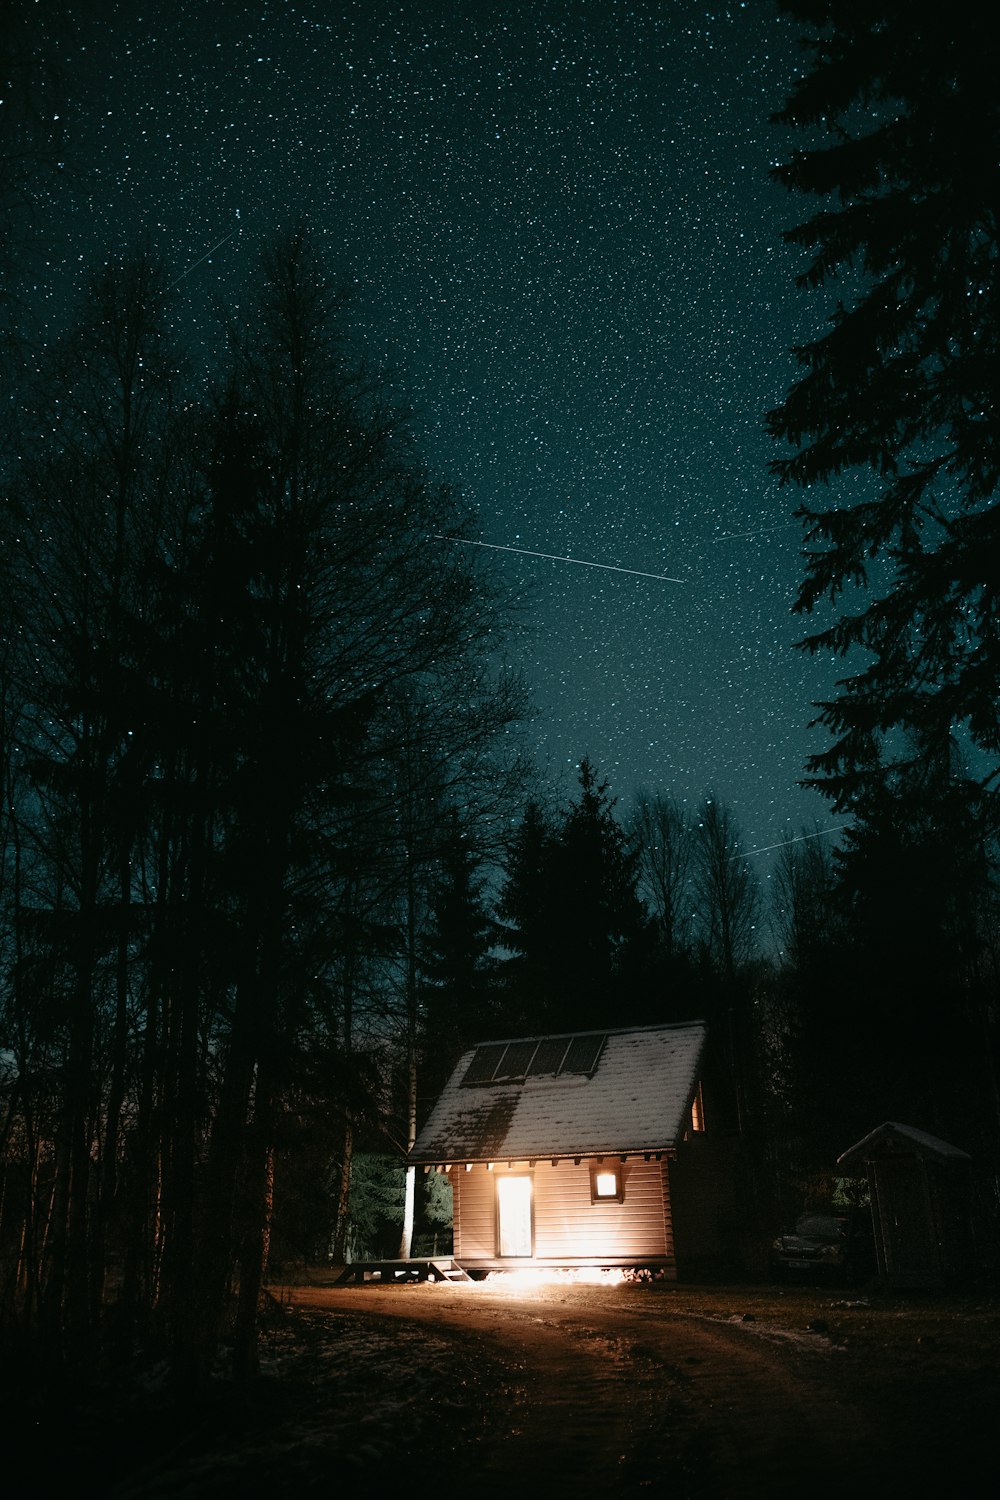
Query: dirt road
619, 1391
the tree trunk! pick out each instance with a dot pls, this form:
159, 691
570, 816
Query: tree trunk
340, 1249
409, 1195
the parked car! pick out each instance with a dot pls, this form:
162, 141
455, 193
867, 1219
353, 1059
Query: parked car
827, 1244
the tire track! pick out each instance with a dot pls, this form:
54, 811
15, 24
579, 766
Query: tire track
609, 1400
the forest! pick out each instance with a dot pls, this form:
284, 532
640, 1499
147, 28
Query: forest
272, 855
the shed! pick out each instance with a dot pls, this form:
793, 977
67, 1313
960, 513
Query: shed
591, 1148
920, 1204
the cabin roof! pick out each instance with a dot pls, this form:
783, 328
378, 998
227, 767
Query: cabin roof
573, 1094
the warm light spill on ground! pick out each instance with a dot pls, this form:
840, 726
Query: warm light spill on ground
527, 1279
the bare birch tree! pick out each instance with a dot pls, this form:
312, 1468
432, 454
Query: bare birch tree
726, 888
665, 839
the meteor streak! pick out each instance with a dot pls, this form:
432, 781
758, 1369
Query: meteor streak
821, 833
578, 562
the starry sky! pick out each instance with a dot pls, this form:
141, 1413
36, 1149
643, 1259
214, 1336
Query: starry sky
561, 239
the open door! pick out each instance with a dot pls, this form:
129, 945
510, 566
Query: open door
514, 1215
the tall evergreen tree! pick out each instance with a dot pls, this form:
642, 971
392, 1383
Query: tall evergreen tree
598, 920
910, 878
580, 934
525, 932
456, 967
899, 392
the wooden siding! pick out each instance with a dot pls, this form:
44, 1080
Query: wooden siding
569, 1227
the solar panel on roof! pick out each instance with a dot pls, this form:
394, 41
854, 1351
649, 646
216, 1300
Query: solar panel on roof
483, 1065
582, 1054
515, 1060
548, 1055
496, 1062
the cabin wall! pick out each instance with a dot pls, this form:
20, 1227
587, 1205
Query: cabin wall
474, 1209
568, 1226
703, 1193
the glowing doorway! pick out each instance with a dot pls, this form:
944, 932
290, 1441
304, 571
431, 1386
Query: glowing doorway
514, 1215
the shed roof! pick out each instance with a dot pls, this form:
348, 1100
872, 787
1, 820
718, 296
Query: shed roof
576, 1094
893, 1138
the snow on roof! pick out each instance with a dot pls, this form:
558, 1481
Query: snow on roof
892, 1134
635, 1096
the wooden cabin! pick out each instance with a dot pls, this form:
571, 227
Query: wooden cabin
591, 1149
921, 1216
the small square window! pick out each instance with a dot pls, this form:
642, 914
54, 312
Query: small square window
606, 1183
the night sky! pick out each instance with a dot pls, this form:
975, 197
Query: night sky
562, 241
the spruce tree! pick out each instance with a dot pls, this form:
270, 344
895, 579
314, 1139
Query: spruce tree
896, 405
456, 967
524, 925
579, 931
598, 919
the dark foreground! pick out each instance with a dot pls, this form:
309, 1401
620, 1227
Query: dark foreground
566, 1390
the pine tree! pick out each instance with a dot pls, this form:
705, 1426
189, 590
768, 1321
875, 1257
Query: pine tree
597, 918
525, 933
910, 878
897, 403
456, 967
580, 934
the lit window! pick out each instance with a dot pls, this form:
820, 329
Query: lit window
605, 1183
698, 1111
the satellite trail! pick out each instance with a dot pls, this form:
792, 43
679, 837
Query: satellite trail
204, 257
578, 562
757, 531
